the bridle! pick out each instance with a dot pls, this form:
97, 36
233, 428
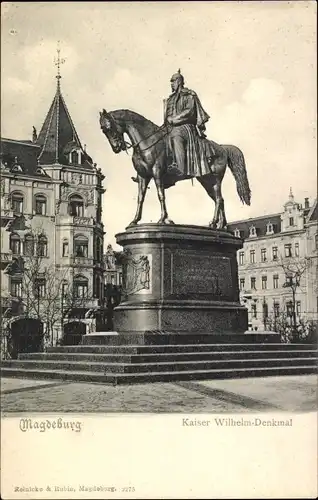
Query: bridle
135, 145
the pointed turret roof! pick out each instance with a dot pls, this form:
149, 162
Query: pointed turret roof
58, 136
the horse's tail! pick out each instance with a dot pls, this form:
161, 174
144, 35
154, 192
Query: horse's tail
236, 162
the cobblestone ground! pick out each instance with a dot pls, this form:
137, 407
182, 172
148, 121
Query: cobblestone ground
294, 393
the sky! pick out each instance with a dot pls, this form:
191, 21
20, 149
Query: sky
252, 64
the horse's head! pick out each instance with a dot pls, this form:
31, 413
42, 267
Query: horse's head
113, 131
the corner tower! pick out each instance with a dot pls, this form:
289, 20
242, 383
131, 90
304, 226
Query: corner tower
77, 207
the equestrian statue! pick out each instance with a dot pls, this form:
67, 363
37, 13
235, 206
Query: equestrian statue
175, 151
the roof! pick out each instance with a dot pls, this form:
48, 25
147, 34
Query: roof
58, 135
259, 223
21, 157
313, 213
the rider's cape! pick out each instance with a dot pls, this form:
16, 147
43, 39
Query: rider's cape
197, 148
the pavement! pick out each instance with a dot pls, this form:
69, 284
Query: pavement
296, 393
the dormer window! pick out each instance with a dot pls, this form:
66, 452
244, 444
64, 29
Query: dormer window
269, 228
16, 167
253, 231
40, 171
75, 157
237, 233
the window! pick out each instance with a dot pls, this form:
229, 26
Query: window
252, 256
275, 281
269, 228
265, 310
65, 249
253, 283
289, 281
241, 258
291, 221
254, 311
40, 204
237, 233
74, 157
316, 241
288, 251
275, 253
17, 203
80, 287
16, 287
276, 309
28, 245
99, 250
264, 282
289, 308
242, 283
298, 307
263, 255
253, 231
80, 246
120, 278
42, 246
296, 249
112, 279
15, 244
76, 206
97, 287
39, 288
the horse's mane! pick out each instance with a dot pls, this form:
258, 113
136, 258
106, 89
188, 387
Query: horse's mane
131, 116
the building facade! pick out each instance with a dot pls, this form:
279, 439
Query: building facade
51, 230
278, 264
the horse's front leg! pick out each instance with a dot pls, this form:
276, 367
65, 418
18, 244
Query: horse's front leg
142, 188
157, 174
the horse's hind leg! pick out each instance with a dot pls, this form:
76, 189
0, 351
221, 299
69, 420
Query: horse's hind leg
221, 223
208, 182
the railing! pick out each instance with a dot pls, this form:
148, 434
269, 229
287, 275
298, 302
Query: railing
82, 261
76, 220
6, 257
7, 214
82, 302
83, 221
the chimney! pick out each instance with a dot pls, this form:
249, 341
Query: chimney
306, 203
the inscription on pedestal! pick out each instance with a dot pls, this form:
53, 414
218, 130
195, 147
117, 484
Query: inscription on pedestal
201, 274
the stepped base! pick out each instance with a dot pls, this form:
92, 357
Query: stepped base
121, 363
156, 338
143, 378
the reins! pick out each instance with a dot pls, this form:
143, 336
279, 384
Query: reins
135, 145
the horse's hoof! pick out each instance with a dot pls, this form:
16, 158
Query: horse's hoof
212, 225
165, 221
132, 224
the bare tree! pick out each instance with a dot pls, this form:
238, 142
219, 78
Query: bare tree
294, 268
48, 292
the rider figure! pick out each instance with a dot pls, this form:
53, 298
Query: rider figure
185, 114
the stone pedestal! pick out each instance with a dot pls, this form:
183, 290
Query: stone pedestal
180, 280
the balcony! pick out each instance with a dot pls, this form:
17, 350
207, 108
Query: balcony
82, 261
71, 220
83, 221
86, 303
6, 217
6, 258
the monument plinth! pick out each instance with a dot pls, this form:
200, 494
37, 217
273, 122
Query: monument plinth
181, 280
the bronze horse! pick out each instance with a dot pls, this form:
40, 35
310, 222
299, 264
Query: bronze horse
151, 159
